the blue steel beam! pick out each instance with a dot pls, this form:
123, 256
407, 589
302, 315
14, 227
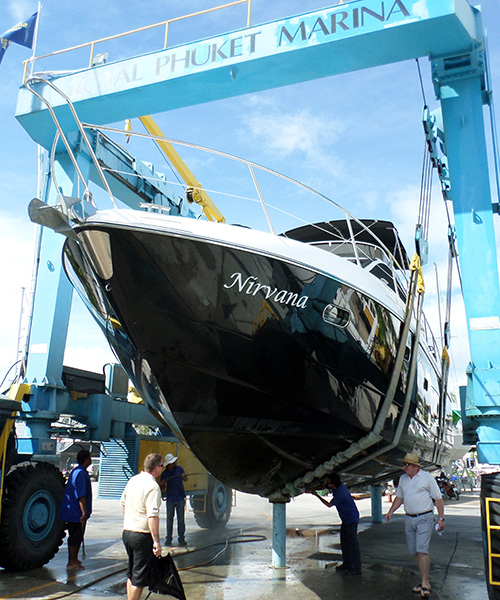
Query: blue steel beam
346, 37
459, 85
105, 417
53, 295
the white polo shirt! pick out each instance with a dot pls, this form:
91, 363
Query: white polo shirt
418, 492
141, 499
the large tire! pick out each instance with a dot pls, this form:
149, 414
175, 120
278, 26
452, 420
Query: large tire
490, 515
30, 530
213, 510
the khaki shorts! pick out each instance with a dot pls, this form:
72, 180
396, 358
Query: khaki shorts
418, 532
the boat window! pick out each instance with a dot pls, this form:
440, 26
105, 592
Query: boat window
335, 315
401, 287
384, 274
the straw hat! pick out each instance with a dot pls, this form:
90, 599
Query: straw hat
411, 458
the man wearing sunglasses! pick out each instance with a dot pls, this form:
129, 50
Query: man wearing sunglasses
419, 492
141, 501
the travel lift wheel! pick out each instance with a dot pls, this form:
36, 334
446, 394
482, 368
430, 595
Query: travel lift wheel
490, 519
213, 510
30, 529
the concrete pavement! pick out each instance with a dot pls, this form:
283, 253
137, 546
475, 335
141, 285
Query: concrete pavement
243, 570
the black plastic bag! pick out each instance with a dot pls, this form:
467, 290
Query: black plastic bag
164, 579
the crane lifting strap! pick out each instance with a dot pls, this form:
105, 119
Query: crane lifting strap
194, 190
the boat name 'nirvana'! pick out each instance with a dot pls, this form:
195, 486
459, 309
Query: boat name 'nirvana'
252, 287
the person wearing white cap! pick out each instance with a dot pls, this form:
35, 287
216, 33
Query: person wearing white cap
419, 492
172, 482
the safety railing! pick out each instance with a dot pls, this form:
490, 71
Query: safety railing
492, 536
29, 64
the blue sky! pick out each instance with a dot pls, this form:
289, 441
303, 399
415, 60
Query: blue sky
356, 138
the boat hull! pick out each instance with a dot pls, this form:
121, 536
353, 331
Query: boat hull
231, 347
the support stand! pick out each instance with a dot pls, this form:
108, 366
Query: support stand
376, 496
279, 535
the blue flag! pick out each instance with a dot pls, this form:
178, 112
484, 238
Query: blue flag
21, 34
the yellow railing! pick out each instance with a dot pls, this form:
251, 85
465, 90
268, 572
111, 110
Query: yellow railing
92, 45
491, 530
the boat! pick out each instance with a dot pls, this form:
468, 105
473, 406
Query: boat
276, 357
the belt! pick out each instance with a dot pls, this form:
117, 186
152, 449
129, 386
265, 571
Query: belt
420, 514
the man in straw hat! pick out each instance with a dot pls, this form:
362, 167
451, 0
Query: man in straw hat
419, 492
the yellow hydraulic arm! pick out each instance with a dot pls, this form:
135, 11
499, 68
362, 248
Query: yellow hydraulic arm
15, 394
195, 191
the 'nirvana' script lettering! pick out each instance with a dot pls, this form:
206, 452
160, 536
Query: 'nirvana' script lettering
252, 287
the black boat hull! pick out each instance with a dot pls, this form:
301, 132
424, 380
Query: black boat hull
232, 349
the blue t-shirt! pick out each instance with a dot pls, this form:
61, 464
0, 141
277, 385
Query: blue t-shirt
344, 503
77, 486
175, 485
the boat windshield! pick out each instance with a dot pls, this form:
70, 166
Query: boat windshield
363, 254
370, 257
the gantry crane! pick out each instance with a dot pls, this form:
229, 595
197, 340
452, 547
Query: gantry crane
345, 37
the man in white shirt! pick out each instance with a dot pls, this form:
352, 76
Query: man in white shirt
419, 492
141, 501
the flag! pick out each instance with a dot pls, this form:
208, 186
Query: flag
21, 34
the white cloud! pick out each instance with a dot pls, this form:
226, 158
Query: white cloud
89, 358
86, 347
16, 249
282, 134
21, 9
420, 10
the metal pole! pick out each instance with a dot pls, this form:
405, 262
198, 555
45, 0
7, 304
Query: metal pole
279, 535
376, 496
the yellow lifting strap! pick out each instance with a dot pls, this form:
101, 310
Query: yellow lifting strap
195, 189
416, 265
445, 356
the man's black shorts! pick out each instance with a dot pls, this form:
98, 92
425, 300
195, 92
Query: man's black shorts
139, 547
75, 533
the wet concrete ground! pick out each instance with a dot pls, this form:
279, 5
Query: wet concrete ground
244, 569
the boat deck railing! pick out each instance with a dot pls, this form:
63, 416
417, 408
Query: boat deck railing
278, 217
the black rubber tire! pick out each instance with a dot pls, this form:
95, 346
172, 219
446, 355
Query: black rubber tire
30, 529
490, 488
214, 512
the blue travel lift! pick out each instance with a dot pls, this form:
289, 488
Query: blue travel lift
342, 38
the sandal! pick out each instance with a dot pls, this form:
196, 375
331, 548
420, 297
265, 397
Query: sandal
417, 589
425, 592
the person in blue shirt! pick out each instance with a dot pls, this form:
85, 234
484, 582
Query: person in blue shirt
172, 486
76, 507
349, 517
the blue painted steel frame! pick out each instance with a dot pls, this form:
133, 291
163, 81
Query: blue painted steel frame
460, 87
343, 38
